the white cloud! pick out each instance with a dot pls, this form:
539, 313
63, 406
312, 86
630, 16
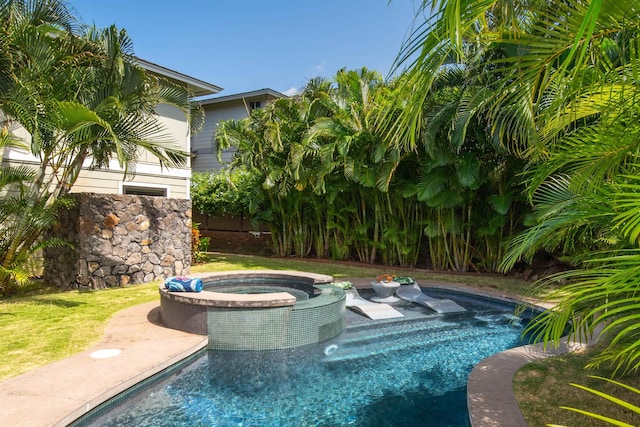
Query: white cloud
291, 91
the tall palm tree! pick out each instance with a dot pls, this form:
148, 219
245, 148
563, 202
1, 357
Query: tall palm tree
353, 151
270, 143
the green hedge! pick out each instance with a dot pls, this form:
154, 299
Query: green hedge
225, 192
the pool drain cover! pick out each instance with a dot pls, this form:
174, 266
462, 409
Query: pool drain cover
106, 353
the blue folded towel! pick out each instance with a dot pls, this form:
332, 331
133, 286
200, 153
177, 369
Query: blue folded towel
183, 284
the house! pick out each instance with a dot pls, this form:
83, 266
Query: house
219, 109
150, 179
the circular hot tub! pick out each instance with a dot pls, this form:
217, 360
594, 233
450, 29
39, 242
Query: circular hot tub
257, 309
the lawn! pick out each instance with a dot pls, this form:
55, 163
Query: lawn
44, 324
342, 270
542, 387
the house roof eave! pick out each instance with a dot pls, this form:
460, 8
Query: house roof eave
196, 86
243, 95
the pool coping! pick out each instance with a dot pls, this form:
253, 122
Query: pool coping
45, 397
210, 298
491, 400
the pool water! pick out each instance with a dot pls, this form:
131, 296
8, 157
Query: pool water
261, 285
392, 373
297, 293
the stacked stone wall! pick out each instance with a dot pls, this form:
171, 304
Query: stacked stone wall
118, 240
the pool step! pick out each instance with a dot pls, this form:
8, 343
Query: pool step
358, 350
380, 329
391, 330
408, 322
489, 316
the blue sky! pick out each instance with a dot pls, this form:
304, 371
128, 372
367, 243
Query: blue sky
244, 45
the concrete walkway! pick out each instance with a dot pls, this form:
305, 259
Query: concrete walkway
57, 394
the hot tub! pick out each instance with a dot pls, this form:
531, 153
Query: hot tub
258, 309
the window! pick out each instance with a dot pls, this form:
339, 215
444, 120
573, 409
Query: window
144, 191
254, 104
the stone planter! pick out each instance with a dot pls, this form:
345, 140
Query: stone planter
385, 291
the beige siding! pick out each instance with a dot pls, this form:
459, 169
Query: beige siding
175, 133
110, 182
101, 182
148, 172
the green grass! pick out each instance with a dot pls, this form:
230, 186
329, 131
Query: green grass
542, 387
343, 270
48, 325
44, 324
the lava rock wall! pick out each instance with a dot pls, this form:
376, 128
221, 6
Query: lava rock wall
119, 240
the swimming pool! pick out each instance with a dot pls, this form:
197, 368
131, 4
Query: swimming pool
385, 373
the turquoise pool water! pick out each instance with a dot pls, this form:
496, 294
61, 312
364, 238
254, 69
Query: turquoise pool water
393, 373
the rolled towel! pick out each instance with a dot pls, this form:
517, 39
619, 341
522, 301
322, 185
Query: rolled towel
183, 284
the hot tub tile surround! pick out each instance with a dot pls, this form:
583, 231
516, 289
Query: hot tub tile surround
265, 321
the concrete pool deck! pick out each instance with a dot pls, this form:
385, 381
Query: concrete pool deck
59, 393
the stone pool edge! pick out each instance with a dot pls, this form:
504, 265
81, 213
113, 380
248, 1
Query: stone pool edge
491, 400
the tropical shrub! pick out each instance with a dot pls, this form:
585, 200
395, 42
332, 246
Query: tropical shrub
554, 81
335, 185
199, 245
227, 192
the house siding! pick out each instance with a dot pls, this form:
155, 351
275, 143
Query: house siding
147, 169
202, 145
111, 182
204, 157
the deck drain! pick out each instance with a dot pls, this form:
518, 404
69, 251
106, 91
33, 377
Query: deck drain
106, 353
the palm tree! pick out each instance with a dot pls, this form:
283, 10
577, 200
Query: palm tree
562, 96
15, 182
270, 143
358, 162
80, 95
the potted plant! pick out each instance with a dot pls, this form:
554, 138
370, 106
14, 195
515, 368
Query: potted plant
384, 287
344, 285
405, 280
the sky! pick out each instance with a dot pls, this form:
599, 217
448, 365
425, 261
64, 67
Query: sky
245, 45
